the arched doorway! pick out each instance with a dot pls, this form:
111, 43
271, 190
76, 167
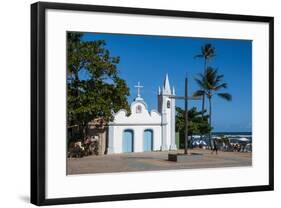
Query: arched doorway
148, 140
128, 141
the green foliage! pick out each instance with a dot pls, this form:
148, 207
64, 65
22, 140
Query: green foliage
100, 90
196, 123
207, 52
210, 82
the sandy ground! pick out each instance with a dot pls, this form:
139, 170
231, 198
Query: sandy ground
147, 161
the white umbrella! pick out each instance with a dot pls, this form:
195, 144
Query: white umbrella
203, 142
243, 139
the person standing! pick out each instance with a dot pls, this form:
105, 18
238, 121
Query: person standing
215, 146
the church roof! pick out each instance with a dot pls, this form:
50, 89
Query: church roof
139, 101
167, 84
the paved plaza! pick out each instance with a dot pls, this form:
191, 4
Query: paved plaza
147, 161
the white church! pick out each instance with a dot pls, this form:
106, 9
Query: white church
143, 130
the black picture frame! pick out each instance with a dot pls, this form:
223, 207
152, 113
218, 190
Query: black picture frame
38, 100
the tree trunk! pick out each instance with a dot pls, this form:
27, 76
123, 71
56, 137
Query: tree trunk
210, 121
203, 98
202, 113
85, 128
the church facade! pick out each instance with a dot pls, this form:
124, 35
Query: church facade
144, 130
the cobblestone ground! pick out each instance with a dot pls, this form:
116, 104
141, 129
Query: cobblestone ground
148, 161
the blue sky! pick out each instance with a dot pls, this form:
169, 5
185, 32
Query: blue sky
148, 58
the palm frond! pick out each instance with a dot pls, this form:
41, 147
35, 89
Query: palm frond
200, 82
198, 93
225, 96
212, 55
207, 52
218, 79
220, 86
210, 82
199, 56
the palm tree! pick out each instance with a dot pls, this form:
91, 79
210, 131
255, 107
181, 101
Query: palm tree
210, 83
207, 52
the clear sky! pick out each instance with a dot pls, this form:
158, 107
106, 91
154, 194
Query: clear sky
148, 58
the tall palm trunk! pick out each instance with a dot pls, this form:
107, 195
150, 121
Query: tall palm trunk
210, 82
203, 105
210, 120
203, 97
205, 64
202, 111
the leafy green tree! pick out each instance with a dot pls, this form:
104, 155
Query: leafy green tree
210, 82
94, 87
196, 123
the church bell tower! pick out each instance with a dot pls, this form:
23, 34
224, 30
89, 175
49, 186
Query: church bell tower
167, 107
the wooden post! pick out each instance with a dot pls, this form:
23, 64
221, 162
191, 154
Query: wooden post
185, 98
186, 117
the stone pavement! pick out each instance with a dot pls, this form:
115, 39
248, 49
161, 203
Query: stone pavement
148, 161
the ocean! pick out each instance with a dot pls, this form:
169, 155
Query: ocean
231, 135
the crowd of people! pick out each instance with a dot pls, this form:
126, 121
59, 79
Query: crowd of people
89, 146
218, 144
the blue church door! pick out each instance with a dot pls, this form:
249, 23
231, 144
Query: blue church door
128, 141
148, 141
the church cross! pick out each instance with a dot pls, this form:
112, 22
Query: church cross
138, 88
186, 98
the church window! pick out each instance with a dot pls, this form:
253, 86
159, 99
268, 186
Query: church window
168, 104
138, 109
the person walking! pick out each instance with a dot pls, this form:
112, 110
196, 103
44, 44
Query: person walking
215, 148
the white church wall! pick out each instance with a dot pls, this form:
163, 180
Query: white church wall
117, 139
166, 113
157, 137
173, 124
144, 116
138, 121
138, 136
168, 129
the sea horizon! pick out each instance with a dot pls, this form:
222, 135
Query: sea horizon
232, 132
237, 134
